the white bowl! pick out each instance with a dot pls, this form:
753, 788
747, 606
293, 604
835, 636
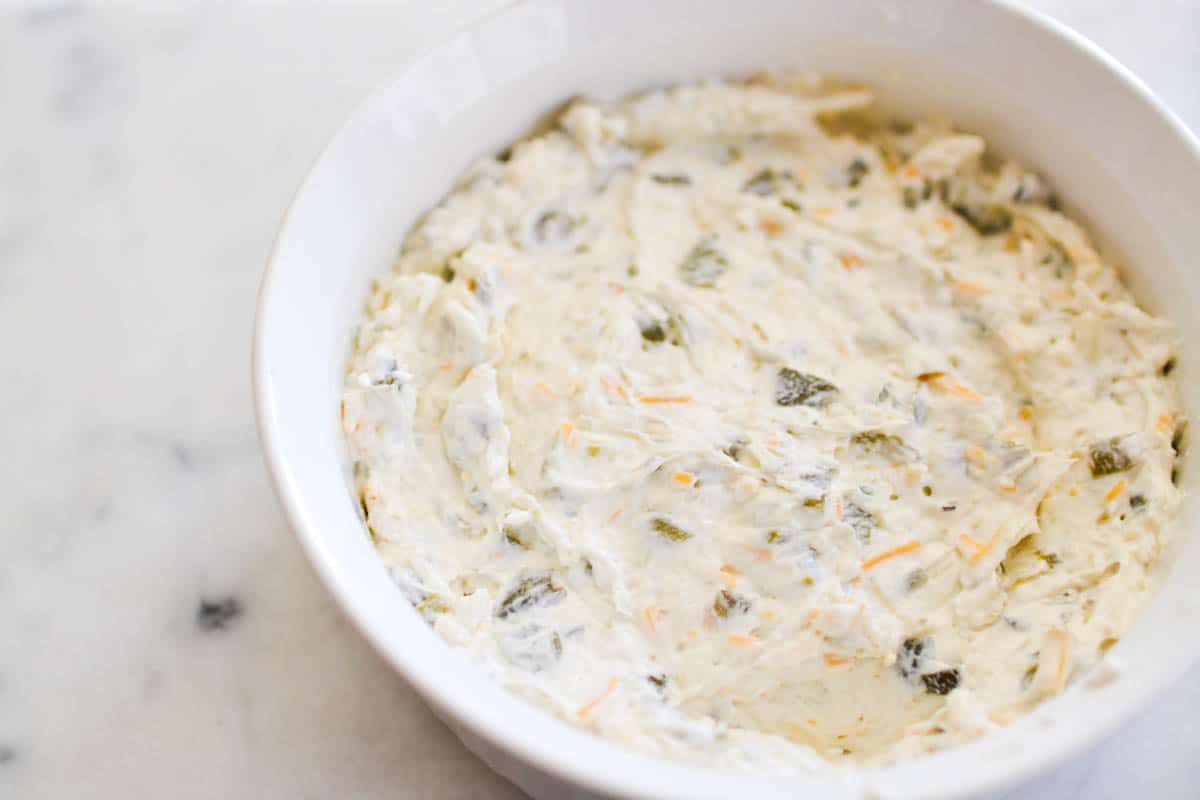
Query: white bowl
1037, 90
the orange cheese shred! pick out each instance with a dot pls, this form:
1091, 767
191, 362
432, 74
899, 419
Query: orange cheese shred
958, 389
907, 547
651, 399
761, 553
587, 707
978, 549
1060, 675
568, 433
976, 455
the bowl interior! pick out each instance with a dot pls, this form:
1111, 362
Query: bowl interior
1037, 92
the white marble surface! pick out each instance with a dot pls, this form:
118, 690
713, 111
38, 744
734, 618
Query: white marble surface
147, 151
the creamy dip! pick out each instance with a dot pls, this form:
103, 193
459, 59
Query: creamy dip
744, 426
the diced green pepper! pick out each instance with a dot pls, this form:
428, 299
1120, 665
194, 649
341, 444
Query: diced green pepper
988, 220
530, 591
856, 171
1107, 458
941, 682
794, 388
669, 530
703, 265
729, 603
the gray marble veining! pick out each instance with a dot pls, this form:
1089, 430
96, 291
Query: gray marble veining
162, 633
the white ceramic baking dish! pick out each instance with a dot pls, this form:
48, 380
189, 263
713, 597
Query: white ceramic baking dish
1035, 89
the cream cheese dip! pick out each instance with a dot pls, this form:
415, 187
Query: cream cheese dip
745, 426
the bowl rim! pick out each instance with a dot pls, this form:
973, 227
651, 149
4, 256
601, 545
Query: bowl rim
643, 776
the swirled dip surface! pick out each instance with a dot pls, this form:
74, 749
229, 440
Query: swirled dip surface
744, 428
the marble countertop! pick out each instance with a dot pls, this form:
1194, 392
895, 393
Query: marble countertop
162, 634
